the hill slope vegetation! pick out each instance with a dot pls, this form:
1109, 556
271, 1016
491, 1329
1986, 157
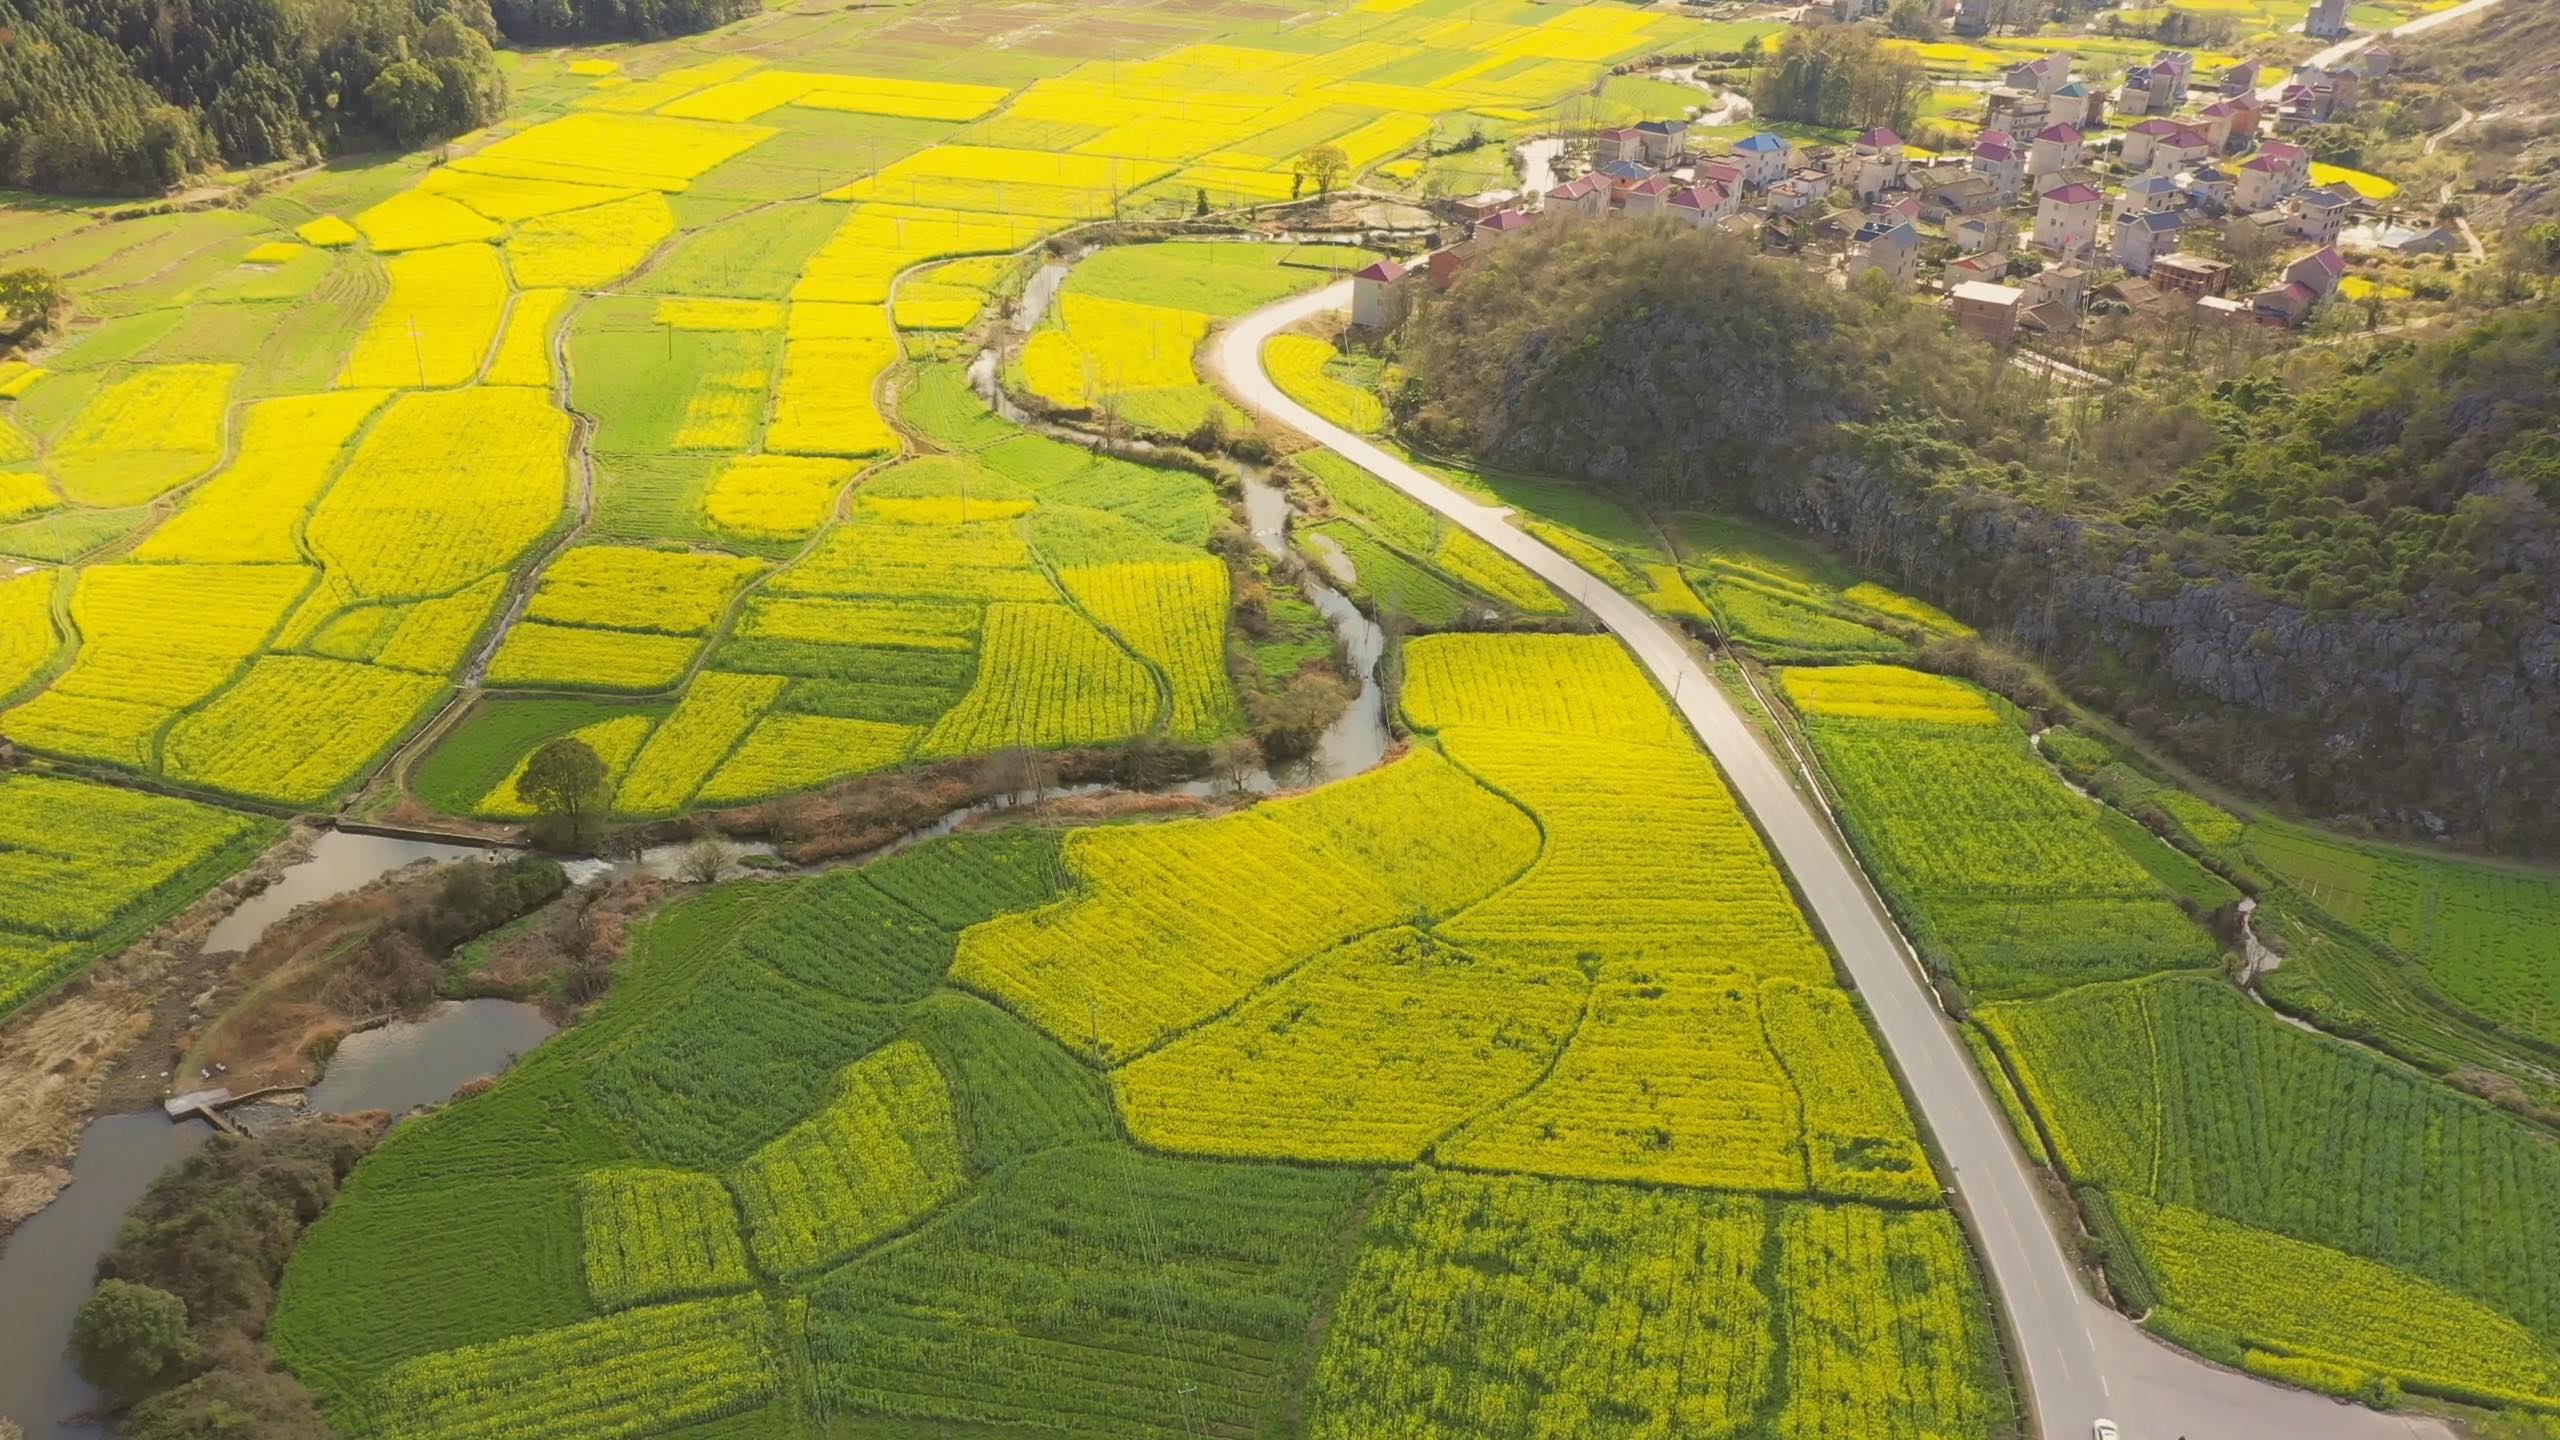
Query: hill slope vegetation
2337, 582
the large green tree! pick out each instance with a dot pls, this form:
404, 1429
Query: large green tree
564, 783
128, 1336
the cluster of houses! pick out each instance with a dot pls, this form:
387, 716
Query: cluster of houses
2071, 216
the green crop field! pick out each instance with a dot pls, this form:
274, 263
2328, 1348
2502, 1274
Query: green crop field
2282, 1201
2478, 938
335, 423
1501, 1089
2290, 1195
1066, 1129
2008, 881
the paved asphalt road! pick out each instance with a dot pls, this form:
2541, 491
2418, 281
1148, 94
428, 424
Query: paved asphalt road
2083, 1361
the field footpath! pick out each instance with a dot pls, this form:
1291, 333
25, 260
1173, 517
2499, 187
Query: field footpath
2080, 1360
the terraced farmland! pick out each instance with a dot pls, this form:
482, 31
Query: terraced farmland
334, 427
1129, 1224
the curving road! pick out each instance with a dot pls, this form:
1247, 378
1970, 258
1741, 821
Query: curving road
2083, 1362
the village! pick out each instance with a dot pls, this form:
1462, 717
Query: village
2161, 192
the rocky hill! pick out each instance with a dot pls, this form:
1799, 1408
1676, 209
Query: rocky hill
2337, 585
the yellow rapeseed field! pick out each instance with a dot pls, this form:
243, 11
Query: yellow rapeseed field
437, 325
402, 521
255, 507
142, 434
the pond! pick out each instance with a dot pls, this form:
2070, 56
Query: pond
48, 1265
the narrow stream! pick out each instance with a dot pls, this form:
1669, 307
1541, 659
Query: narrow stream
1358, 738
49, 1264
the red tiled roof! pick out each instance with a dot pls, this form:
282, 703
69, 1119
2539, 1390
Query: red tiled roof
2059, 134
2327, 258
1881, 139
2281, 150
2074, 194
1995, 143
1503, 220
1386, 270
2264, 164
2154, 127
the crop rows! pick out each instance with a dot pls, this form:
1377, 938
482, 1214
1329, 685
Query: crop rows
142, 434
1670, 1079
27, 636
632, 1374
77, 859
1094, 1290
1164, 935
2481, 935
588, 248
832, 357
1174, 615
655, 1235
627, 588
565, 657
436, 327
788, 752
1046, 677
249, 512
884, 1151
983, 560
715, 714
1368, 1053
774, 497
1504, 1305
1859, 1142
2227, 1283
397, 524
1998, 868
2180, 1090
342, 716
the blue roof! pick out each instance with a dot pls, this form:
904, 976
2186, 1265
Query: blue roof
1663, 127
2075, 90
1762, 143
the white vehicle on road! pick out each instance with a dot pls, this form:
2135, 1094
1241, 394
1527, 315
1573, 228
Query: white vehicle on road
2106, 1430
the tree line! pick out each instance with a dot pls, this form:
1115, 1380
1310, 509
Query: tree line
134, 96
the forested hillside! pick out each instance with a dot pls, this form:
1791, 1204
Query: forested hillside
131, 96
2336, 583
